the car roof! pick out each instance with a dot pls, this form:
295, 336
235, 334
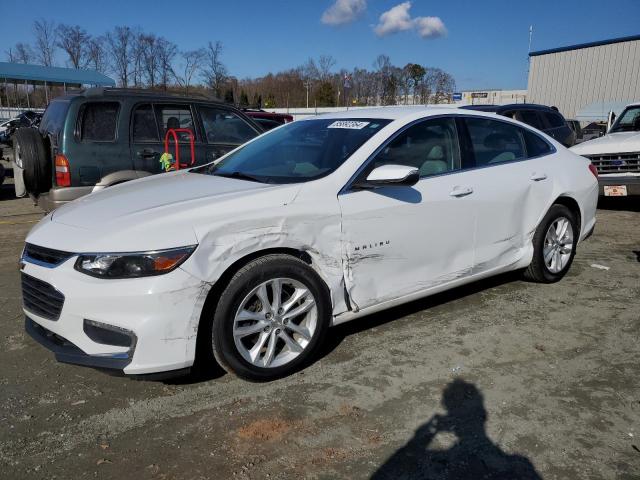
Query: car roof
510, 106
389, 113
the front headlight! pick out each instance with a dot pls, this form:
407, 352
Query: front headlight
132, 265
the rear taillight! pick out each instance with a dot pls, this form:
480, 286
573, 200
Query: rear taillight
63, 175
593, 169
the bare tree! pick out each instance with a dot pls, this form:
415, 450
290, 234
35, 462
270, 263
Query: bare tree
21, 53
45, 41
166, 54
214, 71
96, 54
191, 60
74, 41
325, 64
120, 44
148, 45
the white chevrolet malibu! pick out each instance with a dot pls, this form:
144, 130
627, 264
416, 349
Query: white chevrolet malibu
252, 258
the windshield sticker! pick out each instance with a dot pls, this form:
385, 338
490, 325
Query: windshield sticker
351, 124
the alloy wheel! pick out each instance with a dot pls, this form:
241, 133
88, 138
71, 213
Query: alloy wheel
275, 322
558, 244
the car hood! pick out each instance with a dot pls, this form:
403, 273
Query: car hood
621, 142
161, 211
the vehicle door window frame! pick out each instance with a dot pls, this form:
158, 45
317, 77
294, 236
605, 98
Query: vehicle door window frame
247, 120
80, 120
131, 132
197, 133
357, 176
467, 145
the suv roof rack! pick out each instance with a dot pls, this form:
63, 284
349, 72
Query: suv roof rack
105, 91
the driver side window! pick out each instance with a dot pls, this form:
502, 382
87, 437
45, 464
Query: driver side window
430, 146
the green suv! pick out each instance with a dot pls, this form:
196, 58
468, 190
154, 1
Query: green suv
100, 137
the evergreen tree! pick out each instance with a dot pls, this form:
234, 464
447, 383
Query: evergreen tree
228, 96
244, 99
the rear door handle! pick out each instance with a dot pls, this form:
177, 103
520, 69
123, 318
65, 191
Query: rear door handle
537, 177
147, 153
461, 191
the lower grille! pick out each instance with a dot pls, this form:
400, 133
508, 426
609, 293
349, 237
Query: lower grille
616, 162
41, 298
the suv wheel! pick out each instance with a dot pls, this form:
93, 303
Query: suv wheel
270, 319
554, 245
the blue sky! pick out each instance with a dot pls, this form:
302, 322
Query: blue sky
485, 45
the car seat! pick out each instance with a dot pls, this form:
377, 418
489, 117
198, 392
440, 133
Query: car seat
436, 162
496, 144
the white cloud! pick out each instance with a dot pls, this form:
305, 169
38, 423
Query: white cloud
398, 19
343, 11
430, 27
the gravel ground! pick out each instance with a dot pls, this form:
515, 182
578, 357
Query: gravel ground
501, 378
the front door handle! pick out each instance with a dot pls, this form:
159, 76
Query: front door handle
537, 177
461, 191
147, 153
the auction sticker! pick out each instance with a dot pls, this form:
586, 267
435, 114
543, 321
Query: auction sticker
350, 124
615, 190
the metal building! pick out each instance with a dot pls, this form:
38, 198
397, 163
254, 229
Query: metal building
589, 77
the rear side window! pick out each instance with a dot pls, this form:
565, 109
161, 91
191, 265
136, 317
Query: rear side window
224, 126
54, 116
536, 146
554, 119
530, 118
98, 121
144, 124
494, 142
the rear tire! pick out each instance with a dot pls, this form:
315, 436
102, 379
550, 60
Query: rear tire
259, 334
554, 246
33, 157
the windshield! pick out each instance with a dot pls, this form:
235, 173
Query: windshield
628, 121
299, 151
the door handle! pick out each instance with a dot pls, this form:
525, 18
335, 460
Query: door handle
537, 177
147, 153
461, 191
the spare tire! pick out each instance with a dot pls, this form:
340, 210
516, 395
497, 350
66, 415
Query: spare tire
34, 158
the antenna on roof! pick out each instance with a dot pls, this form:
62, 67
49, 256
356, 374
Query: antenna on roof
529, 52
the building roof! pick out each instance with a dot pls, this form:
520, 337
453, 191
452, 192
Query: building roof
585, 45
52, 75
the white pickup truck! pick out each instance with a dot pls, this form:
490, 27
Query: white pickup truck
617, 155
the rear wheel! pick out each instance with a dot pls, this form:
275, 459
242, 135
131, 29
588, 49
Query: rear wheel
270, 319
554, 245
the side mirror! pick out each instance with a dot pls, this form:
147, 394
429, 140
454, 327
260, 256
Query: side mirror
391, 175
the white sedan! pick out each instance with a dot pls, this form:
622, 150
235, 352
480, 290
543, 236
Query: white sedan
251, 259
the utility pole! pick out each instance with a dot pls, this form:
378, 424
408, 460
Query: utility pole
307, 84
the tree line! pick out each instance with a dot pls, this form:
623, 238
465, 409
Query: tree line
138, 59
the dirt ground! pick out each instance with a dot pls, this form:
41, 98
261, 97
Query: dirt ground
502, 378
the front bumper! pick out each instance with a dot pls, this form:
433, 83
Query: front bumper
67, 352
632, 183
160, 314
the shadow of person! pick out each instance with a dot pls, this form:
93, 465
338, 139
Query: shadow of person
472, 456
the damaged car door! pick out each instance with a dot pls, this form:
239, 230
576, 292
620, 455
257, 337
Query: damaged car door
399, 240
513, 183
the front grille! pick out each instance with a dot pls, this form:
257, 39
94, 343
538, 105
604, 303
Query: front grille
46, 256
41, 298
616, 162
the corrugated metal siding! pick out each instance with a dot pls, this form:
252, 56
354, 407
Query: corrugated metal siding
573, 79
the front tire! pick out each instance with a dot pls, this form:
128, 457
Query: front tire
554, 245
271, 318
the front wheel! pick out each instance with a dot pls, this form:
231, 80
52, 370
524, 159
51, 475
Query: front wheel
270, 319
554, 245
